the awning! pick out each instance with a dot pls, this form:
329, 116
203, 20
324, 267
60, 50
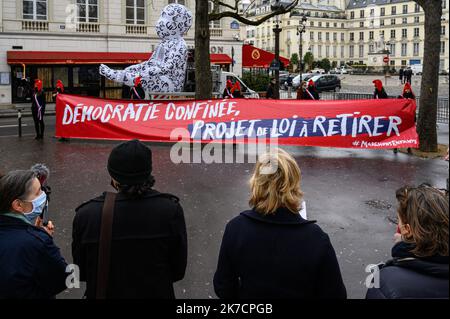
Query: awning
61, 57
253, 57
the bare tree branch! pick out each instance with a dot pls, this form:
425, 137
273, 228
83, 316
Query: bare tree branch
220, 3
228, 14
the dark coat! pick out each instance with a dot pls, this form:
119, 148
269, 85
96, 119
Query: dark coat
41, 99
380, 95
303, 95
409, 277
409, 95
139, 94
31, 265
276, 256
149, 248
270, 94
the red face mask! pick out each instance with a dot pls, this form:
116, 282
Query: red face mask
38, 85
137, 81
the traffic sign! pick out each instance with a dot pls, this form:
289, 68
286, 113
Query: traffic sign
386, 59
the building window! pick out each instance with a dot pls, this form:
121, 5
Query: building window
392, 63
311, 36
352, 51
404, 33
361, 51
342, 51
442, 47
383, 12
352, 14
405, 21
371, 35
311, 23
319, 49
334, 36
327, 51
371, 48
416, 49
335, 25
444, 4
405, 9
335, 51
361, 36
352, 36
404, 62
35, 9
443, 30
327, 24
393, 10
392, 34
416, 8
216, 24
361, 24
416, 32
342, 26
382, 22
392, 49
319, 36
404, 49
320, 24
361, 13
327, 36
87, 11
393, 21
135, 11
342, 37
416, 19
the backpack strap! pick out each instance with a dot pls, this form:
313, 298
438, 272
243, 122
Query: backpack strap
104, 245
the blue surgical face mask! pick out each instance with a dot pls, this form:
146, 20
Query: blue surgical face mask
38, 206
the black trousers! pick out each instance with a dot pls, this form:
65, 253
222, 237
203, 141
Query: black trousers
39, 125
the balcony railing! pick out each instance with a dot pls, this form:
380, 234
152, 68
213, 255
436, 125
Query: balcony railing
33, 25
216, 32
88, 27
136, 29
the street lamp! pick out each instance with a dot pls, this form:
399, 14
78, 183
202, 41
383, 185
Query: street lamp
301, 28
276, 6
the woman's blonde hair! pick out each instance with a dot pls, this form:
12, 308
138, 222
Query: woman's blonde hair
276, 183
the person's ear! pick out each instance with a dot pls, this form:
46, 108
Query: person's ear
18, 206
405, 230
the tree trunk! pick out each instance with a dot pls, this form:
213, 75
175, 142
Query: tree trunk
203, 80
426, 126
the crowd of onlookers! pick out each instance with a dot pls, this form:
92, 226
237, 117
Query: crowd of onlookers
132, 243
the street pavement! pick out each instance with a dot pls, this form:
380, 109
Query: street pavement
351, 194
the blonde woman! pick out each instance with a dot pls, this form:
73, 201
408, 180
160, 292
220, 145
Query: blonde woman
270, 251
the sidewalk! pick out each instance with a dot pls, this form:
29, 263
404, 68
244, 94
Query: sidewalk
11, 110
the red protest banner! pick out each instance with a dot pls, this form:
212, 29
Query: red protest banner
384, 123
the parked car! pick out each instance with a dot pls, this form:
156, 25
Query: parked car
335, 71
417, 69
344, 70
305, 76
320, 71
327, 82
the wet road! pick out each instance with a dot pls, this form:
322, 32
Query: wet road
349, 192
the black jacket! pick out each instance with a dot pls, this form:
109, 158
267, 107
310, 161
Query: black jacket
380, 95
409, 277
276, 256
137, 93
270, 94
40, 96
149, 248
31, 266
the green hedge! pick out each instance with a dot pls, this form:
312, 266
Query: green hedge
256, 81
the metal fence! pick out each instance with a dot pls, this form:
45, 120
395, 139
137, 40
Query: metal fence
442, 110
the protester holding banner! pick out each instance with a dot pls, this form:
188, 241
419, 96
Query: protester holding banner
148, 243
38, 109
137, 92
227, 94
379, 92
407, 92
59, 89
420, 261
271, 251
236, 90
313, 90
303, 93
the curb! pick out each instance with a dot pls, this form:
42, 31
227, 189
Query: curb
24, 114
